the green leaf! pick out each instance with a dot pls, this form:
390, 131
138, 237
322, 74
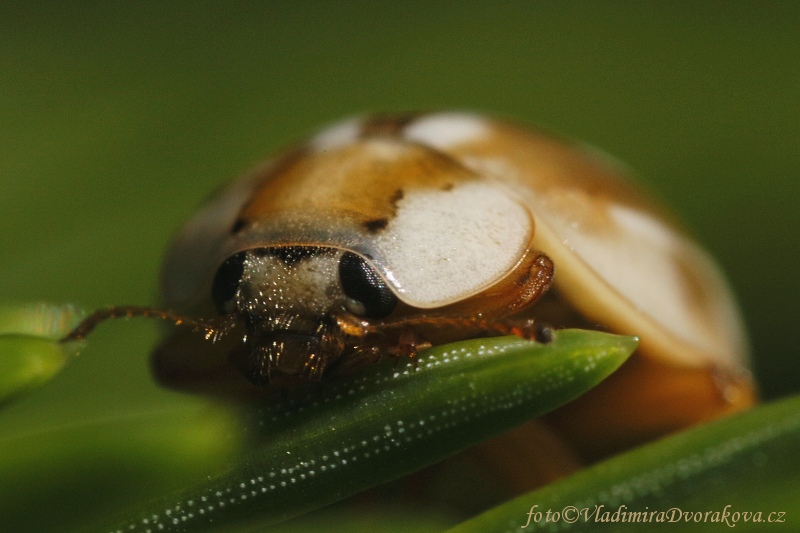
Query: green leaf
319, 446
44, 320
705, 479
30, 354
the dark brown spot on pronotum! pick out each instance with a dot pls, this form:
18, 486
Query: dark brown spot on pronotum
396, 197
448, 187
376, 224
238, 226
385, 125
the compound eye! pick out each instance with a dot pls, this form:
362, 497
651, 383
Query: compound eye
226, 283
371, 297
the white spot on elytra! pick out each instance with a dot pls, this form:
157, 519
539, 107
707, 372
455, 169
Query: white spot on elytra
446, 130
338, 135
639, 223
443, 246
631, 268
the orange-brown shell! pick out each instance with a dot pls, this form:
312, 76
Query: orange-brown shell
619, 260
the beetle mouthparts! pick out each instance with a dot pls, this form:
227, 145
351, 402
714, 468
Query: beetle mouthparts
277, 353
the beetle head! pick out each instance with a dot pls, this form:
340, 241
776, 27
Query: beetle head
290, 299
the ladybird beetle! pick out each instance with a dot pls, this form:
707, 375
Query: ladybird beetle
382, 234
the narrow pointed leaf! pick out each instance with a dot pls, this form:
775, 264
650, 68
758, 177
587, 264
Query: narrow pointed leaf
321, 446
740, 473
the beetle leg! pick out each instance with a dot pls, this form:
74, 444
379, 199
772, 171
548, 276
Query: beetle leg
362, 356
352, 326
372, 346
528, 329
409, 343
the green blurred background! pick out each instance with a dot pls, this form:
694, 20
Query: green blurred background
117, 120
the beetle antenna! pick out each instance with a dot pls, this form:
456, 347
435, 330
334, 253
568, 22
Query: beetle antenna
211, 329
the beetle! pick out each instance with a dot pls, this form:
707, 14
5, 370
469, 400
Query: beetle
380, 235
